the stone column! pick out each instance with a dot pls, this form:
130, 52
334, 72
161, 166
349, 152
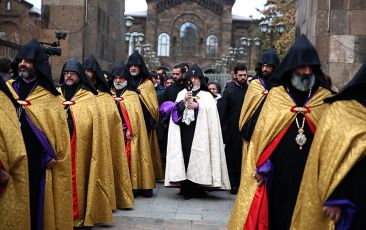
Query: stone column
227, 22
338, 32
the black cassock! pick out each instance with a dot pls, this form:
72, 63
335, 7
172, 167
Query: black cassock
35, 151
170, 93
187, 133
229, 110
288, 163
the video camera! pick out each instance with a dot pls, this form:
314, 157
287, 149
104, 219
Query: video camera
53, 48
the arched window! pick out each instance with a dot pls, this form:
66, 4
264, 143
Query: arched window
188, 38
163, 44
212, 45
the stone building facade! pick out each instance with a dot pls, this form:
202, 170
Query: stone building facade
92, 26
337, 28
195, 31
19, 23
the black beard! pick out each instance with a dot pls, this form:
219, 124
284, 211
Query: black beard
179, 81
69, 91
266, 76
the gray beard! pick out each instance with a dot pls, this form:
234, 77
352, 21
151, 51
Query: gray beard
24, 74
302, 82
120, 86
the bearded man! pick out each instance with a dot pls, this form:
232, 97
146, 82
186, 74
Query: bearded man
195, 151
45, 134
256, 94
281, 141
139, 77
229, 110
171, 92
91, 167
332, 194
134, 130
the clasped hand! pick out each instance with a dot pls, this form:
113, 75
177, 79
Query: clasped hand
188, 96
333, 212
50, 164
259, 178
190, 104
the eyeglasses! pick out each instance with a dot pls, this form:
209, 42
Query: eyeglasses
70, 72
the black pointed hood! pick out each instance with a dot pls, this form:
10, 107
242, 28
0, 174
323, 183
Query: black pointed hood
136, 59
354, 89
74, 65
301, 53
92, 63
33, 51
121, 70
196, 71
270, 58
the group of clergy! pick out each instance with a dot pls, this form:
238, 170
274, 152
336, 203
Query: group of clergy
69, 155
304, 147
72, 154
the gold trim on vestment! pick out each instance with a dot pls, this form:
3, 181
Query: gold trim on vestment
14, 200
141, 171
275, 116
47, 114
93, 165
339, 143
150, 100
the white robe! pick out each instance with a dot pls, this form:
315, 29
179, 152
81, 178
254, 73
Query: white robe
207, 162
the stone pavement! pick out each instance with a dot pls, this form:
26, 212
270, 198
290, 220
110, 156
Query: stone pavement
168, 211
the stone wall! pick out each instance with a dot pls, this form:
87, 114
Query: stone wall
92, 26
337, 28
20, 24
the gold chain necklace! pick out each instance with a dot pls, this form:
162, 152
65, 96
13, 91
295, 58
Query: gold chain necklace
300, 137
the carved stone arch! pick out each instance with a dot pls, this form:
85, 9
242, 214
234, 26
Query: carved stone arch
182, 18
188, 16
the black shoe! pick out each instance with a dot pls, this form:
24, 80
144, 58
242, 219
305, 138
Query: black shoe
136, 192
234, 190
146, 192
